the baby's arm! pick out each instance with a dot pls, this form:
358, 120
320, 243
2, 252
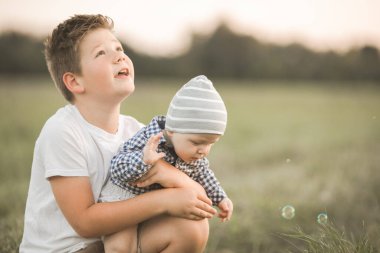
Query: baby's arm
215, 192
136, 158
150, 155
206, 177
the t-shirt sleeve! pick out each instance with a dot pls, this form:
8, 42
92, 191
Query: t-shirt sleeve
133, 126
62, 151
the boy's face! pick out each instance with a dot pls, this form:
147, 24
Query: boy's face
191, 147
107, 73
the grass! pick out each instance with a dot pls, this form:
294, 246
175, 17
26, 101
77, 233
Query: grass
313, 146
330, 239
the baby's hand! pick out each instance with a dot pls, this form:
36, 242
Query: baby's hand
226, 208
149, 152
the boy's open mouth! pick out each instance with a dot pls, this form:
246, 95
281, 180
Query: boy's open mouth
123, 72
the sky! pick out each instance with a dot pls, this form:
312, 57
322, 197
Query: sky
165, 27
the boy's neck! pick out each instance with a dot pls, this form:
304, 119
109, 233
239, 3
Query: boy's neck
102, 116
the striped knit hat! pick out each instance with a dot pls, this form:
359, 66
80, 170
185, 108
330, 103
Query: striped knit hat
197, 108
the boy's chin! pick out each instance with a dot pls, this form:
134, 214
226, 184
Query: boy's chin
128, 90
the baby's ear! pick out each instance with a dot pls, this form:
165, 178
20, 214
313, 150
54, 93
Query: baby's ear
72, 83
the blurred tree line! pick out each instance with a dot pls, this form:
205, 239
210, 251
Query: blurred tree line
223, 54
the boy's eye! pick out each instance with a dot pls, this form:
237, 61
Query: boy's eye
101, 52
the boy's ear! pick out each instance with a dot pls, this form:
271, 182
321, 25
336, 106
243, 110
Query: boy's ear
72, 83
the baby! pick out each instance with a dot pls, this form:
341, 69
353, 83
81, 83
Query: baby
195, 120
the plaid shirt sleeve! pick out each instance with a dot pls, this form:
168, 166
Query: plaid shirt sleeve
128, 165
210, 183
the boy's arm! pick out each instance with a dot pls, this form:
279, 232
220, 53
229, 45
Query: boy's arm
168, 177
89, 219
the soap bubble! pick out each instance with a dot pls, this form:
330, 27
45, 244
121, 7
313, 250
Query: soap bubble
288, 212
288, 160
322, 218
374, 117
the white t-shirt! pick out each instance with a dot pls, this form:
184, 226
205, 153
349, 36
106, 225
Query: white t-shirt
67, 146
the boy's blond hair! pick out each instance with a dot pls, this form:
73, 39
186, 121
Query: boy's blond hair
62, 47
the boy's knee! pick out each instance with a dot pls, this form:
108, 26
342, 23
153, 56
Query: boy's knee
200, 230
194, 232
121, 242
174, 235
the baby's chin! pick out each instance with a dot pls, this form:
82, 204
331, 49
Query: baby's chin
191, 160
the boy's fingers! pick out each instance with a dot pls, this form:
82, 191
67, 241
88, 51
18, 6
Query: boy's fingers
206, 208
144, 180
144, 183
195, 217
205, 199
202, 214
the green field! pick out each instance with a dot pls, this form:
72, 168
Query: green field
315, 146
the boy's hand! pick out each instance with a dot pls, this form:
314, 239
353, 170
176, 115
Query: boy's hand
189, 200
226, 208
150, 150
189, 204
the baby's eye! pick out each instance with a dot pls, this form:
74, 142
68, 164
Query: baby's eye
101, 52
120, 49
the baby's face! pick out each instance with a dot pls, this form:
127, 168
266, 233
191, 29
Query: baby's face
191, 147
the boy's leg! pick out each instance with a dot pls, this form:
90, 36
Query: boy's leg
172, 235
124, 241
96, 247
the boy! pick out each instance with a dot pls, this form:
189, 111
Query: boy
195, 120
75, 147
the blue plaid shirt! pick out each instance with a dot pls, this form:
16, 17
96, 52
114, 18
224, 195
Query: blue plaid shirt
127, 165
